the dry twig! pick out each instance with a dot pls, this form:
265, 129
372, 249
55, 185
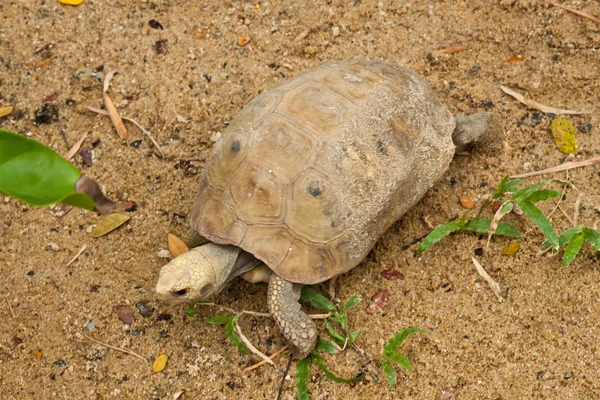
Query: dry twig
272, 357
576, 211
133, 121
112, 110
251, 346
452, 50
563, 167
490, 281
535, 105
76, 147
77, 255
126, 351
574, 11
12, 312
283, 378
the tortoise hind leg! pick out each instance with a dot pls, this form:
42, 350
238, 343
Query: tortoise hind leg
295, 324
470, 129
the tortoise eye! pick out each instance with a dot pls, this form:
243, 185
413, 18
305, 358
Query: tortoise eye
179, 293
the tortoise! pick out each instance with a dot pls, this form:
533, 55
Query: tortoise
306, 179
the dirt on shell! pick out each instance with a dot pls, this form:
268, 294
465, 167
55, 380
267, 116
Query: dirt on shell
187, 68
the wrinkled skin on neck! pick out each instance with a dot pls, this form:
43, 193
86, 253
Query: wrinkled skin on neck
202, 272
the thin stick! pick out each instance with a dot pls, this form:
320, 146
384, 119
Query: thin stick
574, 11
77, 255
251, 346
565, 214
562, 167
76, 147
490, 281
181, 159
112, 110
283, 379
538, 106
452, 50
11, 309
133, 121
271, 357
576, 211
126, 351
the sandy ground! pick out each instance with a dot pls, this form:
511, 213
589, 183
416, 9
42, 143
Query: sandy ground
183, 78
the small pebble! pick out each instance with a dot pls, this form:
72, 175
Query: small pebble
496, 206
378, 301
392, 274
154, 24
60, 363
37, 354
136, 143
478, 251
90, 326
144, 310
466, 201
87, 156
163, 253
336, 31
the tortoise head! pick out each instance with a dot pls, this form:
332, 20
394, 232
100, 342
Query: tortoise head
200, 273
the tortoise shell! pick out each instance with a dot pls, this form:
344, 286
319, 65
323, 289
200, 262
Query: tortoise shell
310, 174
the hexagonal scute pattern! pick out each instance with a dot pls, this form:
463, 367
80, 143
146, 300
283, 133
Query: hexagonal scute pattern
227, 155
255, 112
256, 195
316, 211
317, 106
350, 81
307, 263
283, 147
268, 243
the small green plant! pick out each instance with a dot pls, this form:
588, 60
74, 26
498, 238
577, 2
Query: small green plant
230, 322
390, 353
574, 239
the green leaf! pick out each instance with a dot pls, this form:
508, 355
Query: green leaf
229, 329
400, 359
524, 194
483, 226
573, 248
219, 319
438, 234
542, 195
564, 237
353, 336
316, 299
351, 302
317, 360
398, 338
302, 372
593, 237
326, 346
390, 372
36, 174
540, 220
507, 185
334, 333
190, 310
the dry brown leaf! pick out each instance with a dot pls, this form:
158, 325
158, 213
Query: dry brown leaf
109, 224
452, 50
111, 109
562, 167
574, 11
537, 106
76, 147
176, 245
378, 301
511, 248
125, 313
301, 35
491, 282
4, 111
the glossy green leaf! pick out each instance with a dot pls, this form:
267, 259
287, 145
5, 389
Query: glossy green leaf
398, 338
219, 319
317, 360
438, 234
36, 174
390, 372
400, 359
316, 299
540, 220
593, 237
482, 225
524, 193
229, 330
326, 346
353, 336
341, 340
573, 248
302, 372
351, 302
541, 195
564, 237
507, 185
